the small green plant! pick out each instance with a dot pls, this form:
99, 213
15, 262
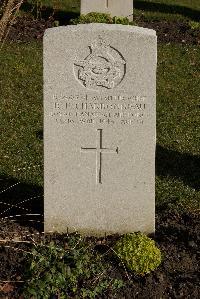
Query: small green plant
56, 23
138, 252
194, 25
120, 20
76, 271
94, 17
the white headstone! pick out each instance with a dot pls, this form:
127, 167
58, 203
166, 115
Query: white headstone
99, 128
119, 8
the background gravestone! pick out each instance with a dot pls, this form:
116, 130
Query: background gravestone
99, 128
113, 7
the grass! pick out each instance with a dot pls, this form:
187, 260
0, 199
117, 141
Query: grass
21, 112
173, 10
193, 4
177, 126
178, 95
62, 5
177, 120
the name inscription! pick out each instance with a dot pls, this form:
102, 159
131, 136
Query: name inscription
89, 109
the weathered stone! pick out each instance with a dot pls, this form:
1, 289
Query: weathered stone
119, 8
99, 128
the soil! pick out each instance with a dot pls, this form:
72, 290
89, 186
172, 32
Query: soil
26, 29
173, 32
177, 235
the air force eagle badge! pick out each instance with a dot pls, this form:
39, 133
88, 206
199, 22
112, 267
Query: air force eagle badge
103, 68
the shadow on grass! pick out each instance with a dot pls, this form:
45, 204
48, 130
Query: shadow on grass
175, 164
19, 198
39, 134
168, 8
25, 200
46, 12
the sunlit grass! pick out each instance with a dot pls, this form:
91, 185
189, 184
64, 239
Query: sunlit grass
177, 118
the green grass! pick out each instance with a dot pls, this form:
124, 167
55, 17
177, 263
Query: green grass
178, 92
177, 125
61, 10
75, 4
66, 5
61, 5
178, 96
167, 10
195, 4
21, 111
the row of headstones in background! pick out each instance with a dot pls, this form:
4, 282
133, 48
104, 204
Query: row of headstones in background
122, 8
99, 129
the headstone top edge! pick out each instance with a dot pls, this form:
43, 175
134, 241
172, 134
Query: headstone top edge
100, 26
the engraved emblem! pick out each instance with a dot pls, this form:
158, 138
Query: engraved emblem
104, 67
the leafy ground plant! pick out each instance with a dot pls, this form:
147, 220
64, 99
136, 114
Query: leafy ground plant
194, 25
94, 17
74, 270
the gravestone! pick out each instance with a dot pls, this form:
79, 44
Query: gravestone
119, 8
99, 129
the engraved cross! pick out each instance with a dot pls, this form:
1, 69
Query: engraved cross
107, 3
99, 150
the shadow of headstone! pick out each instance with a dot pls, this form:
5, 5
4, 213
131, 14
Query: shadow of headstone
21, 202
168, 8
46, 12
175, 164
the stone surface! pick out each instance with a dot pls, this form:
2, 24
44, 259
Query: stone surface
114, 7
99, 128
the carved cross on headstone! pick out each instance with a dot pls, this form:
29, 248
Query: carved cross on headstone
107, 3
99, 150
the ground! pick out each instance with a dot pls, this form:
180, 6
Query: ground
178, 237
25, 29
177, 152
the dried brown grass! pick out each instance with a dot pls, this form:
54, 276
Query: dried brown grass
9, 11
